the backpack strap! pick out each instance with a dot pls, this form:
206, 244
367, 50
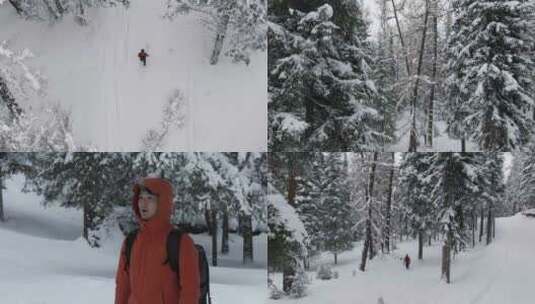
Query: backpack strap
129, 243
173, 249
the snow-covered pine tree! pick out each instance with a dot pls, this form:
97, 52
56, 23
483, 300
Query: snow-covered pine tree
453, 180
414, 196
490, 68
21, 85
326, 210
53, 10
287, 243
322, 97
239, 26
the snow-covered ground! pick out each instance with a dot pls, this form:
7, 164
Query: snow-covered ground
43, 259
502, 273
94, 72
441, 142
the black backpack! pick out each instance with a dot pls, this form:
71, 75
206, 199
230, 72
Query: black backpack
173, 249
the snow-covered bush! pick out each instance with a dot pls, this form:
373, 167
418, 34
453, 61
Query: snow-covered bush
274, 292
299, 287
325, 272
173, 116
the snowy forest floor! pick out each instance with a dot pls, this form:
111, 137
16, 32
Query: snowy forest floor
500, 273
43, 259
94, 73
441, 142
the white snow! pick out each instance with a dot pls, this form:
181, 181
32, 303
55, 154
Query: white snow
44, 260
496, 274
441, 142
94, 72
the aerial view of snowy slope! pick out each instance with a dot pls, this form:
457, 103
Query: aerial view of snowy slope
131, 75
61, 237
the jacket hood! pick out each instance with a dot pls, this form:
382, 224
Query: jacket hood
163, 189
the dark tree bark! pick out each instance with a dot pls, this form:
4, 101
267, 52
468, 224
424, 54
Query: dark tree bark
389, 206
446, 257
474, 224
431, 104
420, 245
7, 97
225, 232
2, 216
208, 220
489, 226
213, 214
413, 142
481, 225
247, 234
368, 242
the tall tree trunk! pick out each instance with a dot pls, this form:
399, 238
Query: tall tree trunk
389, 206
489, 225
213, 214
413, 142
221, 31
481, 221
446, 257
493, 226
86, 221
401, 40
289, 271
208, 220
474, 224
463, 144
368, 242
225, 232
420, 244
2, 216
336, 258
247, 234
431, 104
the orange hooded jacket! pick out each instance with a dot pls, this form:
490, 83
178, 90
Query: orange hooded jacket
148, 280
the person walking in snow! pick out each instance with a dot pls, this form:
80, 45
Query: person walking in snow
407, 261
145, 273
143, 57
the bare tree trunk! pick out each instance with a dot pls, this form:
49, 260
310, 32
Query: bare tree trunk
430, 110
213, 214
389, 206
225, 232
413, 142
85, 233
493, 226
220, 39
463, 144
208, 220
474, 224
489, 225
247, 234
420, 245
2, 216
481, 221
401, 40
446, 257
368, 242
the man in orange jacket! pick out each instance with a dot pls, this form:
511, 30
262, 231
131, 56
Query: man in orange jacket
147, 278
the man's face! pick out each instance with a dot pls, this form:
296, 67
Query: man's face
148, 205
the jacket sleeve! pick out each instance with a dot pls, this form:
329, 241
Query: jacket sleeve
122, 281
189, 272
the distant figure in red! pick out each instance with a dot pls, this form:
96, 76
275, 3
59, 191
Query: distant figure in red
407, 261
143, 56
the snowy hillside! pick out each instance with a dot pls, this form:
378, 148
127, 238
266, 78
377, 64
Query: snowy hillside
94, 72
42, 252
501, 273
